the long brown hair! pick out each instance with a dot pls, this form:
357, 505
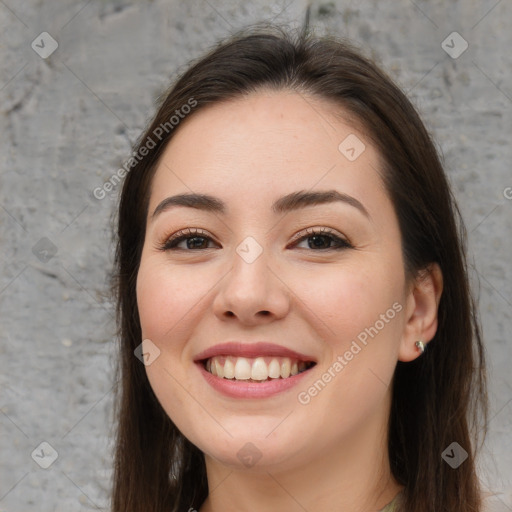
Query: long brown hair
437, 399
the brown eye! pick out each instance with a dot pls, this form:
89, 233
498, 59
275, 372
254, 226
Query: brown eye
194, 238
324, 239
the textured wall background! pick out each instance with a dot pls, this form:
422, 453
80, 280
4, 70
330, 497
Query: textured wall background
67, 124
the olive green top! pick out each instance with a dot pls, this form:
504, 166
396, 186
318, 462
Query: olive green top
391, 507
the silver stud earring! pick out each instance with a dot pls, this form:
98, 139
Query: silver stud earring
421, 346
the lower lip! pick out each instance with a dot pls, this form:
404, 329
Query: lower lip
244, 389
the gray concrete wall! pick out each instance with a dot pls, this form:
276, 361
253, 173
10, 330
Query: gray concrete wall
67, 122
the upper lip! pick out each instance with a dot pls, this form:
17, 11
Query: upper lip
259, 349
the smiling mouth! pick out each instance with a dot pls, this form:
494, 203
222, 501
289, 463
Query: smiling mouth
258, 369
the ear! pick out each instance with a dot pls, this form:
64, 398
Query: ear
421, 311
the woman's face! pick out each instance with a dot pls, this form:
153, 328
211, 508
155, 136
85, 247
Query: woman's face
256, 271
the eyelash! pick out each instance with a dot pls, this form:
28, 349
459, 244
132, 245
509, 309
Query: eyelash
169, 244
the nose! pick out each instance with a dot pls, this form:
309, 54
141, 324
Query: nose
252, 291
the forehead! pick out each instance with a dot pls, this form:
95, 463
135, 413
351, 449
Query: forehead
255, 148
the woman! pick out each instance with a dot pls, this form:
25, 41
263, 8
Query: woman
291, 271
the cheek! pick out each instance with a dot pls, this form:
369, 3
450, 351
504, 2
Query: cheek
347, 299
166, 296
359, 313
359, 316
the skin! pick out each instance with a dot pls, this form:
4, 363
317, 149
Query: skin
330, 454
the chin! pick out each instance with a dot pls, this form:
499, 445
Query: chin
257, 454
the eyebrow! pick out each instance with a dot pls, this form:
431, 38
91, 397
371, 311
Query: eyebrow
290, 202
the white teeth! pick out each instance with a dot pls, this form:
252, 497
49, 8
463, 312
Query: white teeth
285, 368
255, 369
219, 368
229, 369
242, 369
259, 369
274, 369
